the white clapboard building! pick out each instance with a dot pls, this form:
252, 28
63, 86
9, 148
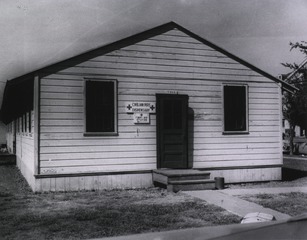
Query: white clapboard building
162, 99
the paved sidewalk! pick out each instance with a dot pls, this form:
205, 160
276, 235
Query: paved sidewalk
233, 204
271, 190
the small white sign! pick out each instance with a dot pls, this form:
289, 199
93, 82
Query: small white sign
141, 118
140, 107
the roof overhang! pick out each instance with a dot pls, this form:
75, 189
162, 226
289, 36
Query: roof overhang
17, 98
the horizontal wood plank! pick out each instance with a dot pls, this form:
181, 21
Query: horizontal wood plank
103, 168
170, 62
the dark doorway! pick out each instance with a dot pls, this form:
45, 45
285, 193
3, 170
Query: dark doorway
172, 131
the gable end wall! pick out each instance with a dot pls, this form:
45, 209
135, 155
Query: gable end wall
169, 63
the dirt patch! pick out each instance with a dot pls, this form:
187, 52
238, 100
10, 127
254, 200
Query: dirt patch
167, 198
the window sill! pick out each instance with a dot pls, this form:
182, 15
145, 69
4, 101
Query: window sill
235, 133
99, 134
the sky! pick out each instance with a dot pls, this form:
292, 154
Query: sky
34, 34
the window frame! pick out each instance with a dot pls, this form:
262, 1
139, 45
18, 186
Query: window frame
16, 123
22, 124
30, 122
26, 122
238, 132
115, 132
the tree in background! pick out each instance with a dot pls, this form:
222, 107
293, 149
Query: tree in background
295, 104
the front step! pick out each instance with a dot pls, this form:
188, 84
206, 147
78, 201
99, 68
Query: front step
182, 180
190, 185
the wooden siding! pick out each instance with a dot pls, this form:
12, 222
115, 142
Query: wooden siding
169, 63
248, 175
10, 137
24, 149
73, 183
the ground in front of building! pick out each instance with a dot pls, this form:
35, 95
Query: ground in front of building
88, 214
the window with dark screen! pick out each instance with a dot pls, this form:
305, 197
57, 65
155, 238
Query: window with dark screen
235, 109
100, 106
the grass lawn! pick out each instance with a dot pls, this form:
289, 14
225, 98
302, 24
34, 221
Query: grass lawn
82, 215
294, 203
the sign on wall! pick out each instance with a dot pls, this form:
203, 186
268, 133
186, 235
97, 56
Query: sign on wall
141, 111
141, 117
140, 107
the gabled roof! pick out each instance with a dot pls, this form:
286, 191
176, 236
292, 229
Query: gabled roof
11, 86
142, 36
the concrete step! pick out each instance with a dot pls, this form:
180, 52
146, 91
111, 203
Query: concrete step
182, 179
7, 159
190, 185
185, 174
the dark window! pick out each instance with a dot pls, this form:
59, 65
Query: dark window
235, 103
100, 106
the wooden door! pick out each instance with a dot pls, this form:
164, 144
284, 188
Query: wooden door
172, 131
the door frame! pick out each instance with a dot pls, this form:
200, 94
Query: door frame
160, 97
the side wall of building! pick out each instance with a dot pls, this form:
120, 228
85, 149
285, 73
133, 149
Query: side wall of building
20, 140
170, 63
10, 133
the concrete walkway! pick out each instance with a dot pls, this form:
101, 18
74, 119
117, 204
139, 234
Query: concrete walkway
240, 207
271, 190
